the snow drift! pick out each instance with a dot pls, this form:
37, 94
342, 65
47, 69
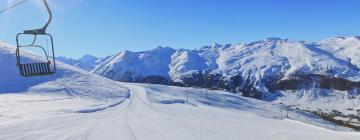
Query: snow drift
68, 80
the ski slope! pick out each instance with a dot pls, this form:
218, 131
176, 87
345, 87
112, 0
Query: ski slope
154, 112
75, 104
72, 89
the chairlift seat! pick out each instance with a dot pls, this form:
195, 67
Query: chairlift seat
35, 69
47, 67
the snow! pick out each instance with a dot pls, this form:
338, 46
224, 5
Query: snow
271, 59
69, 83
326, 100
263, 59
258, 60
184, 62
75, 104
86, 62
130, 65
346, 48
143, 116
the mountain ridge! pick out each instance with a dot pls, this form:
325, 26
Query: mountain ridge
86, 62
254, 61
253, 68
286, 72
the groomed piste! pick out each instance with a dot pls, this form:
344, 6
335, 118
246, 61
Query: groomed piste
74, 104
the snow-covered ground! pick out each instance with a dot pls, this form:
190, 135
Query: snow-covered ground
154, 112
327, 101
75, 104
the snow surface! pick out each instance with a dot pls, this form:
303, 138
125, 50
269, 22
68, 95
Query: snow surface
272, 57
69, 84
86, 62
131, 64
74, 104
346, 48
258, 61
145, 116
325, 100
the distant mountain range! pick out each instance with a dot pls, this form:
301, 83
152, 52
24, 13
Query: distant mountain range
86, 62
74, 103
255, 68
318, 77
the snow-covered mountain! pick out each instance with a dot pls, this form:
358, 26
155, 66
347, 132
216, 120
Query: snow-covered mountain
345, 48
147, 66
317, 76
86, 62
75, 104
254, 68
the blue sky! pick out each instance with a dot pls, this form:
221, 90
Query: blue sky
104, 27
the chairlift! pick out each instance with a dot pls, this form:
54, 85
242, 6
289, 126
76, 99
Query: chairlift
39, 67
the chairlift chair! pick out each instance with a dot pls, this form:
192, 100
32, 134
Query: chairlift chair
43, 67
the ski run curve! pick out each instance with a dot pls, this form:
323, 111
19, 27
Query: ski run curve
74, 104
149, 114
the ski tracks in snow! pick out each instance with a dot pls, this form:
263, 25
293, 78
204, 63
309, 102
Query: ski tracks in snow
137, 118
110, 123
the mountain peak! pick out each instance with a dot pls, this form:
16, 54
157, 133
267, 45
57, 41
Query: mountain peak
216, 45
86, 62
212, 46
342, 38
273, 39
356, 37
163, 48
88, 57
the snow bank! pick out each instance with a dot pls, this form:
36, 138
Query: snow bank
68, 79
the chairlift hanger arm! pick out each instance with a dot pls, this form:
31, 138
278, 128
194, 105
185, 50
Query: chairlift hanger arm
43, 29
50, 15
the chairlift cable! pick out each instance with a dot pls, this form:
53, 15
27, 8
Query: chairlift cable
12, 6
